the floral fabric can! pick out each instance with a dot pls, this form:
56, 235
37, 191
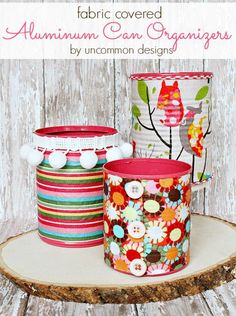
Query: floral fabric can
70, 195
172, 119
147, 215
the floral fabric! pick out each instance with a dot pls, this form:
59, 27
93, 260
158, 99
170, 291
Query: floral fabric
153, 230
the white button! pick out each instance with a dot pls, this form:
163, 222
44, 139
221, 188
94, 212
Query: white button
136, 229
134, 189
138, 267
115, 249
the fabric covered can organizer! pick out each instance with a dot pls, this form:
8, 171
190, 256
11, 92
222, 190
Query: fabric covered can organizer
147, 215
172, 119
69, 177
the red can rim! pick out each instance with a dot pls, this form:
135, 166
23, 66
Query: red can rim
76, 131
147, 168
171, 75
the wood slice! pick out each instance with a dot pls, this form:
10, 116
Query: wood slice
80, 275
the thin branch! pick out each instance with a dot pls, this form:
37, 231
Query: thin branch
153, 111
139, 153
145, 154
170, 151
193, 167
153, 126
180, 153
209, 125
144, 126
204, 168
209, 118
153, 148
207, 131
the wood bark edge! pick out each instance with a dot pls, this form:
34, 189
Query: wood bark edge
217, 275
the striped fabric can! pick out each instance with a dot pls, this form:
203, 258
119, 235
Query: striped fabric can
70, 201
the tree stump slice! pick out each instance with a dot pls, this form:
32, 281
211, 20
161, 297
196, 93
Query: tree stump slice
80, 275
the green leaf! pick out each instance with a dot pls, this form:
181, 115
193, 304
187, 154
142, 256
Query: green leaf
136, 126
139, 128
135, 111
166, 152
150, 146
199, 174
154, 90
142, 91
202, 93
207, 101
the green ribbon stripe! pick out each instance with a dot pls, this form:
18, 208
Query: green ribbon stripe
76, 217
69, 202
68, 181
70, 238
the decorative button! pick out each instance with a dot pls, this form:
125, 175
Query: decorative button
136, 229
118, 231
134, 189
138, 267
151, 206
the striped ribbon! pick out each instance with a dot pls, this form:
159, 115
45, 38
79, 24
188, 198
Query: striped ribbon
70, 202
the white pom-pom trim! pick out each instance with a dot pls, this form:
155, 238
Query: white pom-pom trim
57, 159
127, 150
88, 159
25, 150
114, 153
35, 157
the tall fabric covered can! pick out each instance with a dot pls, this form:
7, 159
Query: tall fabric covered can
147, 216
70, 183
172, 119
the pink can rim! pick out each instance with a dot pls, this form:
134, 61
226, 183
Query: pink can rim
171, 75
76, 131
152, 168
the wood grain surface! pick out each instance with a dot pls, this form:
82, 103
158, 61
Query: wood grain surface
42, 278
218, 302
